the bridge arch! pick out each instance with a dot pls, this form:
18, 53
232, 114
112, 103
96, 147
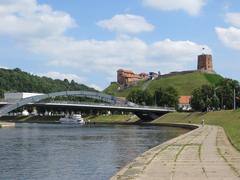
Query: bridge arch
89, 94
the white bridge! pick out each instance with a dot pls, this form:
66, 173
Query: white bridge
113, 103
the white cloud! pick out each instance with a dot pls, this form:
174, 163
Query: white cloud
41, 31
62, 76
193, 7
233, 19
229, 36
96, 87
126, 23
26, 18
69, 77
3, 67
107, 56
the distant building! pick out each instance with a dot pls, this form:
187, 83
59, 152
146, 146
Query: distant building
143, 75
127, 77
205, 63
184, 103
153, 75
13, 97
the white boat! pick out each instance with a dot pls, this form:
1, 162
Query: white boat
74, 119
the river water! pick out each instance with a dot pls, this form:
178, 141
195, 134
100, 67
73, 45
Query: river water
52, 152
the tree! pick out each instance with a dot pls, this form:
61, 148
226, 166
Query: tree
226, 93
1, 93
215, 102
140, 97
148, 98
205, 98
17, 80
197, 102
166, 97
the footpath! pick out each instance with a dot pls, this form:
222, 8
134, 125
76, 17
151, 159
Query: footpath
202, 154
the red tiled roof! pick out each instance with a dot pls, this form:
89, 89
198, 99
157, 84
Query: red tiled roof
126, 71
184, 100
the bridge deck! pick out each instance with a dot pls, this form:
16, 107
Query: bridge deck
106, 106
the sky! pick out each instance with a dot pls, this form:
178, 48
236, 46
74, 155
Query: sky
87, 41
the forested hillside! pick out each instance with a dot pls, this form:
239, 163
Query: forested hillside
17, 80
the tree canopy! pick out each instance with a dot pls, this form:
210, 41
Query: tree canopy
166, 97
17, 80
210, 97
140, 97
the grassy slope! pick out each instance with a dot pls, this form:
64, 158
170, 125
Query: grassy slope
229, 120
184, 83
113, 87
112, 118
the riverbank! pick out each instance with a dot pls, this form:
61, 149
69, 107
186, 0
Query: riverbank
113, 118
228, 120
6, 125
55, 119
30, 119
204, 153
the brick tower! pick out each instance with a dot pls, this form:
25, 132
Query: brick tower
205, 63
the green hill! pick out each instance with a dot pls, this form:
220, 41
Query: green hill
184, 83
19, 81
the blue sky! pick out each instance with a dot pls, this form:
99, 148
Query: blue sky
89, 40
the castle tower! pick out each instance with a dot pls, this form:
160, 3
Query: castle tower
205, 63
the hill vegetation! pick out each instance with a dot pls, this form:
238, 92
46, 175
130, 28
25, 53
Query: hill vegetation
17, 80
183, 83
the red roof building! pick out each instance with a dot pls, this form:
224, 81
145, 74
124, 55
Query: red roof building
127, 77
184, 103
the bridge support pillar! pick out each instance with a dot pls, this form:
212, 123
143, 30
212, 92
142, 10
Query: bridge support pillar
149, 116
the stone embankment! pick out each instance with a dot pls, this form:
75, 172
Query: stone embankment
202, 154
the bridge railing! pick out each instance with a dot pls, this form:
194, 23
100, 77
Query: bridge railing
105, 104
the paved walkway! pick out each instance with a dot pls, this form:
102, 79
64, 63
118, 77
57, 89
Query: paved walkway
204, 153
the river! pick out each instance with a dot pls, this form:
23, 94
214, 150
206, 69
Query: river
55, 151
